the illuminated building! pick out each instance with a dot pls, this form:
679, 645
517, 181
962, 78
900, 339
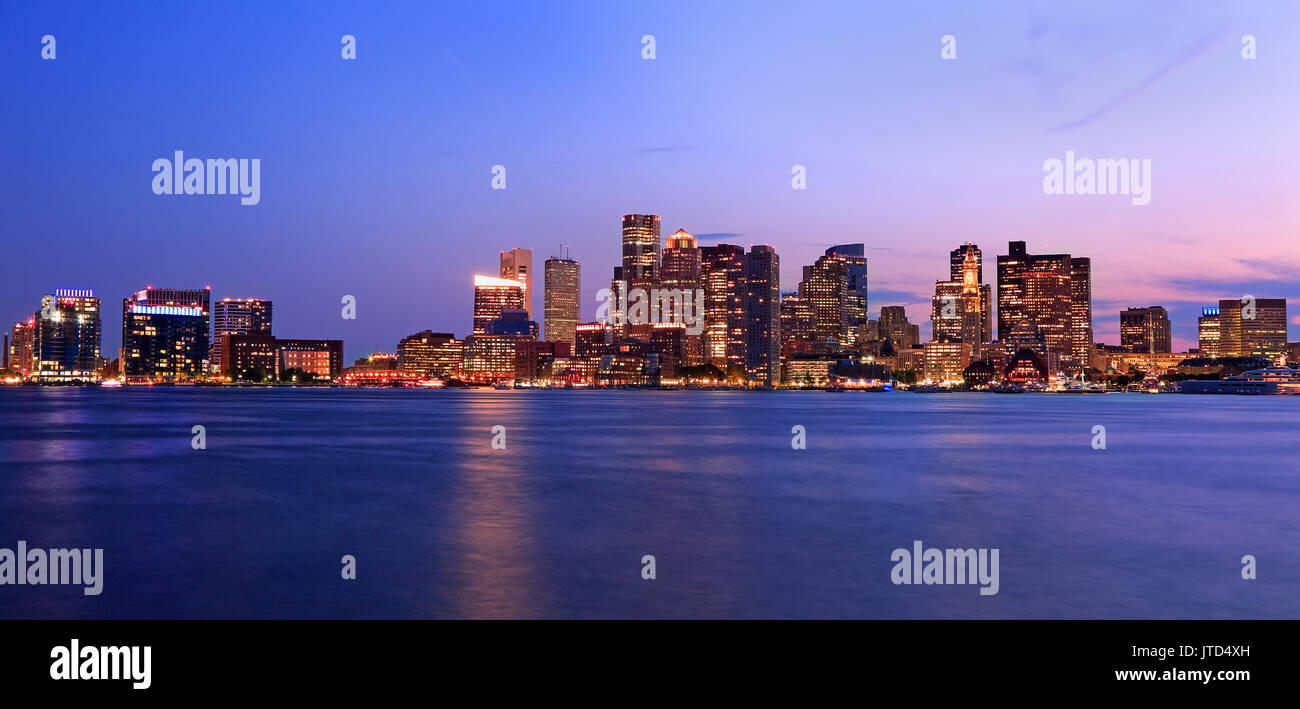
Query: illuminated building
895, 327
723, 272
512, 322
21, 340
489, 358
430, 352
535, 361
592, 340
957, 309
945, 361
641, 247
683, 268
1207, 327
1253, 327
669, 339
796, 325
762, 307
165, 334
1145, 330
517, 265
1053, 291
807, 370
238, 316
377, 362
563, 299
249, 357
491, 296
825, 288
956, 269
1293, 354
1025, 366
855, 295
979, 374
322, 358
66, 337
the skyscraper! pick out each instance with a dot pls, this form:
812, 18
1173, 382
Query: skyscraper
492, 295
825, 286
682, 269
1145, 330
165, 334
430, 352
957, 266
1207, 331
1054, 292
762, 309
66, 337
640, 247
517, 265
723, 273
563, 305
855, 264
238, 316
957, 309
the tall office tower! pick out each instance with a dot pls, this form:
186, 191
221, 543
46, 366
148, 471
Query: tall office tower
956, 266
238, 316
517, 265
895, 327
562, 299
165, 334
1207, 331
763, 315
1081, 342
855, 263
428, 351
1145, 330
796, 325
66, 336
825, 286
723, 272
492, 295
21, 339
957, 308
640, 247
682, 269
1054, 292
1252, 327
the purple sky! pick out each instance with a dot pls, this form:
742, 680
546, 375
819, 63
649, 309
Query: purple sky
376, 172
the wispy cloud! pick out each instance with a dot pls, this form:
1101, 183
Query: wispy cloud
1186, 57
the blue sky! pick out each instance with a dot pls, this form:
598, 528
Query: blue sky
376, 172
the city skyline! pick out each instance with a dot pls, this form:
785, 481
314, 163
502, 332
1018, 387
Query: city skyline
390, 204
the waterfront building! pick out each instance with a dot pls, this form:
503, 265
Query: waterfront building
762, 311
1145, 330
1207, 331
641, 244
562, 299
66, 337
430, 352
723, 272
517, 265
165, 334
492, 295
237, 316
1253, 327
1054, 291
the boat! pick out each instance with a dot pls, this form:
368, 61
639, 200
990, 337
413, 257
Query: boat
1007, 388
1269, 380
1081, 388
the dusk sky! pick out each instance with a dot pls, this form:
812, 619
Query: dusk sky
376, 173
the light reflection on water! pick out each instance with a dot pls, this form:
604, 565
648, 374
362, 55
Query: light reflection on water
740, 524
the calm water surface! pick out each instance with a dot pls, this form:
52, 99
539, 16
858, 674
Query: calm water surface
444, 526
